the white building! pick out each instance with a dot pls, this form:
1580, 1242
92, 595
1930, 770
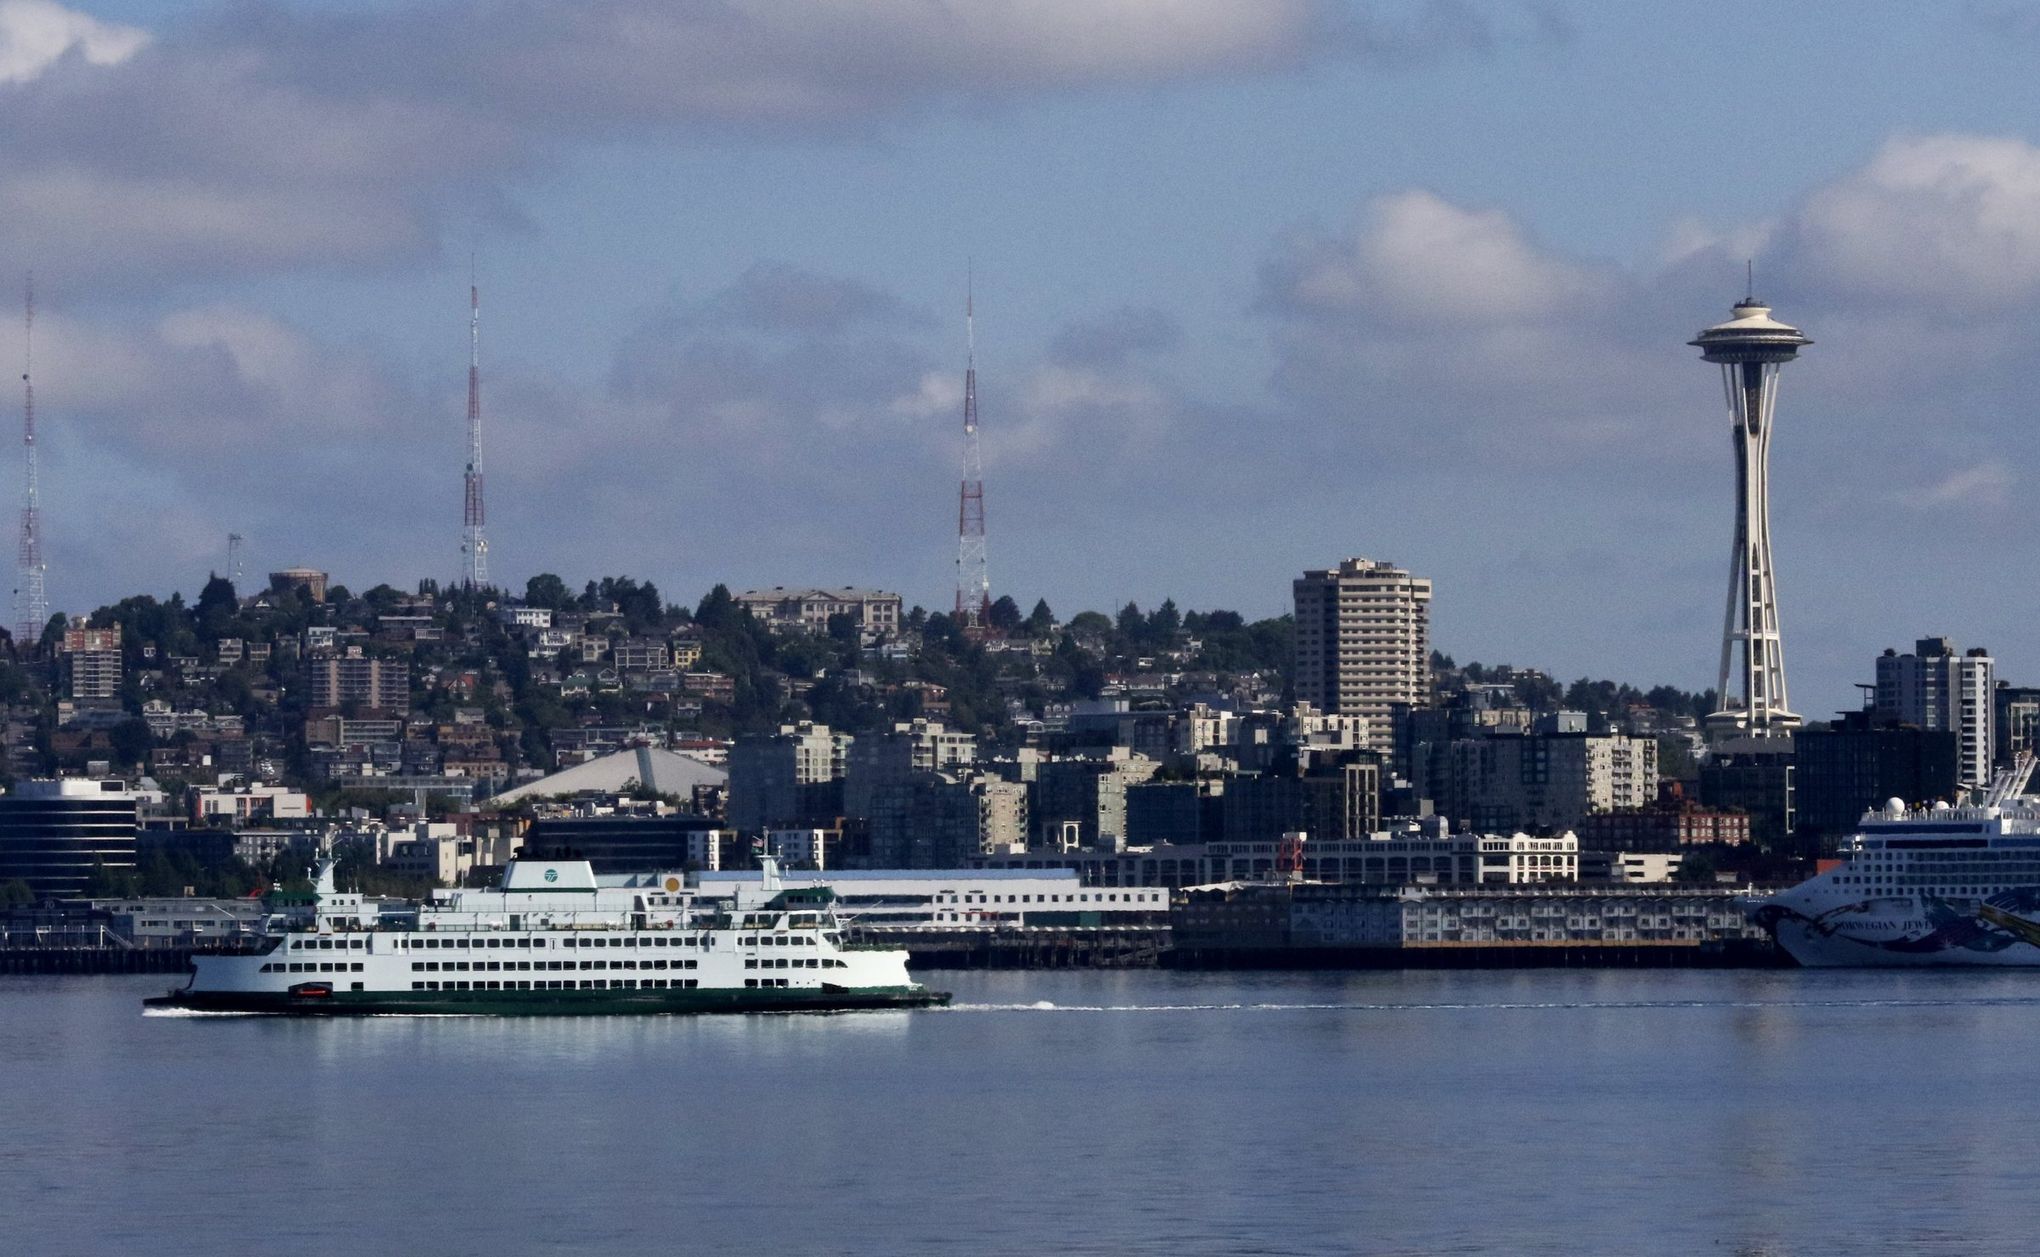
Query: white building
876, 612
1936, 688
797, 848
962, 898
250, 802
1363, 643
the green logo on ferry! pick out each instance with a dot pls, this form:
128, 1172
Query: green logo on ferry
552, 875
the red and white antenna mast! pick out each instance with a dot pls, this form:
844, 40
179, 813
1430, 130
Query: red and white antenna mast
973, 579
474, 542
32, 602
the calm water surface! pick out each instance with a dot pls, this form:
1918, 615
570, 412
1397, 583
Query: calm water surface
1539, 1112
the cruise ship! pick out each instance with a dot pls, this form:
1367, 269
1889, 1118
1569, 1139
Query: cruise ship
1939, 885
552, 940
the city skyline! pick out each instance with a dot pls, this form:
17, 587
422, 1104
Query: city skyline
1355, 306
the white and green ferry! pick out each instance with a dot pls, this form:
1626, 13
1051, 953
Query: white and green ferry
553, 940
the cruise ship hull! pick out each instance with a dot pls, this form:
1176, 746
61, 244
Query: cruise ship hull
1888, 933
551, 1003
1814, 949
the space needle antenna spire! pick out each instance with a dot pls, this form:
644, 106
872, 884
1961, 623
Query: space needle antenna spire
474, 541
973, 579
32, 603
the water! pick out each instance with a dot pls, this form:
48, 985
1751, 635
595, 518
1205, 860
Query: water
1519, 1112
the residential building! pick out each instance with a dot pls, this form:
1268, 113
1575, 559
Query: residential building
642, 654
917, 746
2015, 722
1936, 688
1363, 643
1670, 824
378, 683
1860, 762
1545, 781
783, 778
1088, 793
92, 662
1329, 802
249, 803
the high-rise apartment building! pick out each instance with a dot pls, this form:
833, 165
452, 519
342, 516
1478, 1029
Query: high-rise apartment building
788, 777
1936, 688
881, 759
382, 684
1363, 643
92, 662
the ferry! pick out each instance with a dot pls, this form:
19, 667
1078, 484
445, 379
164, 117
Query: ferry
553, 940
1940, 885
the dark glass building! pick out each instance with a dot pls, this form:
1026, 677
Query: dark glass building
53, 834
628, 844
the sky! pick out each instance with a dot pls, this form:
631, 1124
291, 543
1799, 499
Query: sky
1258, 287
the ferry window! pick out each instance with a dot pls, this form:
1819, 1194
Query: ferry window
750, 981
750, 963
355, 968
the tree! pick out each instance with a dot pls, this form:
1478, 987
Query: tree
1004, 614
1165, 623
15, 893
718, 610
53, 634
1131, 621
1041, 619
548, 591
216, 606
1090, 624
131, 741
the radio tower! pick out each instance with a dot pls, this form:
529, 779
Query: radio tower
1751, 349
234, 541
973, 580
474, 544
32, 602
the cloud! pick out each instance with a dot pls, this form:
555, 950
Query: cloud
35, 34
1984, 486
1946, 219
1416, 258
257, 139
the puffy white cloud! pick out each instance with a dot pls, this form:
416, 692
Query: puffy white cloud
1946, 219
1415, 258
36, 33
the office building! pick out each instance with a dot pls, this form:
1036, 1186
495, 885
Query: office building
54, 834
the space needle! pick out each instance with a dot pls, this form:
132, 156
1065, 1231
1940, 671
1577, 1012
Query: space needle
1751, 348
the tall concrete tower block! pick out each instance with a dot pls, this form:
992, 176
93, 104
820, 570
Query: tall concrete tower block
1751, 348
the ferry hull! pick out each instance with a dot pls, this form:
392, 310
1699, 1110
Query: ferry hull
551, 1003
